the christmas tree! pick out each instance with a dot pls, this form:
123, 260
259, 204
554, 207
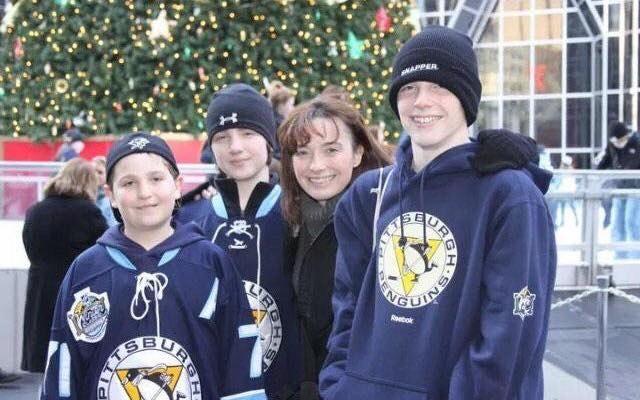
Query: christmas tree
123, 65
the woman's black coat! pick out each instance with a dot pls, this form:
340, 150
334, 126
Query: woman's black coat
313, 300
56, 230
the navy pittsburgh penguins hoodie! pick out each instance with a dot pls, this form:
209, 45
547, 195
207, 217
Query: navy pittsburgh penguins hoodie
451, 298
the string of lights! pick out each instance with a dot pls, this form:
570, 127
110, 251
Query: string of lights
134, 64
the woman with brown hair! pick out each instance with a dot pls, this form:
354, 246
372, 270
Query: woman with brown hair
56, 230
325, 146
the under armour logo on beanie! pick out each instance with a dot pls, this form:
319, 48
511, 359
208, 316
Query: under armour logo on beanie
240, 106
233, 118
440, 55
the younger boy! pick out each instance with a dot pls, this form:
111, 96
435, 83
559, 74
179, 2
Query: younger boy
153, 310
442, 292
244, 218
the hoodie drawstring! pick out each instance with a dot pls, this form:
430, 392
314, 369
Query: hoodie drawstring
155, 282
403, 239
424, 214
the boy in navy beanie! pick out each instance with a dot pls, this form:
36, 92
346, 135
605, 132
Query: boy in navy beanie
153, 310
245, 220
443, 277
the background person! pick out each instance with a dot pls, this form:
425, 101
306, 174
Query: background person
623, 152
56, 230
102, 201
72, 146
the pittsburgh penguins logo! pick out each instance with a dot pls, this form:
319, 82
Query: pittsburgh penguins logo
414, 268
147, 368
267, 317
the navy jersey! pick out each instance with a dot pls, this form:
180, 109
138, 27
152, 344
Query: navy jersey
254, 238
168, 323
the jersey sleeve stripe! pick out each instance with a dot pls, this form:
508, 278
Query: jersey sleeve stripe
210, 306
251, 395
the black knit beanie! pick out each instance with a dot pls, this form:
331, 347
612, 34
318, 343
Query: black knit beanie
240, 106
618, 130
440, 55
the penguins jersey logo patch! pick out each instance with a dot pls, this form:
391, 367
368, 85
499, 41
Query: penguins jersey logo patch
88, 316
413, 269
523, 303
267, 317
149, 367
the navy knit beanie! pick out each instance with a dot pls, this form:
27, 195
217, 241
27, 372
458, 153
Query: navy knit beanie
240, 106
440, 55
138, 142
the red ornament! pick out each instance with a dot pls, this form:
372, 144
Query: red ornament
201, 74
117, 107
383, 20
18, 51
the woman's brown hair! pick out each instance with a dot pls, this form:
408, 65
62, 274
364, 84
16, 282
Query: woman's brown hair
296, 131
76, 178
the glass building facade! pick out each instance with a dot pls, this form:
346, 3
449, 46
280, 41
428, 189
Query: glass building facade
559, 71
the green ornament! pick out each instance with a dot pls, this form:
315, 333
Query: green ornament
317, 15
2, 92
187, 52
200, 125
62, 3
355, 46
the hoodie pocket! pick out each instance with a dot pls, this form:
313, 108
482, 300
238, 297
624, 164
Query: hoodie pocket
356, 387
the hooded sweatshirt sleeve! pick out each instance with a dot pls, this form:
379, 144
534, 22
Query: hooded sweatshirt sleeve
352, 221
242, 363
517, 282
63, 373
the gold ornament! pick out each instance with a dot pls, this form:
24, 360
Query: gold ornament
62, 86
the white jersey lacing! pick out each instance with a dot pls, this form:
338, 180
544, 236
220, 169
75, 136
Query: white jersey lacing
156, 283
241, 227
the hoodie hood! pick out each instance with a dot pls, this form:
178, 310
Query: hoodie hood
455, 159
137, 257
458, 159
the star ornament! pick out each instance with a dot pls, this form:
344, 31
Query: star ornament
160, 27
523, 303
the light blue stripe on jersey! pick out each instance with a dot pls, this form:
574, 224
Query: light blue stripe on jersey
120, 258
218, 206
210, 306
64, 375
168, 256
53, 347
251, 395
269, 201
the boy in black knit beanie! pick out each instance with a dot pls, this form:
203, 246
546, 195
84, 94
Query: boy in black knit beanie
443, 276
244, 218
